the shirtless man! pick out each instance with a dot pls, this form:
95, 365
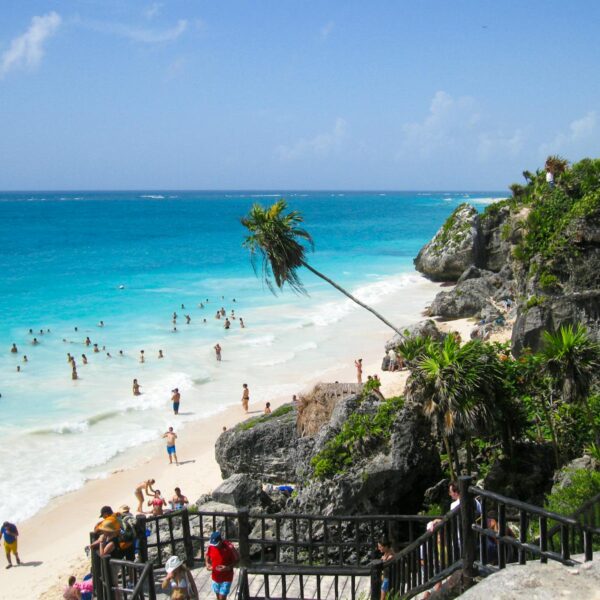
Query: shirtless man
359, 368
179, 501
145, 486
171, 451
218, 352
14, 349
227, 323
175, 398
245, 397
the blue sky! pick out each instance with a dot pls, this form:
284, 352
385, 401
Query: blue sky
289, 94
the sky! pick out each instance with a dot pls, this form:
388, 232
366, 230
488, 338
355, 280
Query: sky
291, 94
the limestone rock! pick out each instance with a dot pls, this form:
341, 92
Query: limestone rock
466, 299
426, 328
263, 448
239, 490
454, 247
536, 581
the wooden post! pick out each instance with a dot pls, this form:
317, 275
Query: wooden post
107, 578
244, 532
468, 538
376, 574
140, 527
187, 538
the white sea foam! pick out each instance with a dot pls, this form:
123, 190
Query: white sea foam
485, 201
153, 196
256, 341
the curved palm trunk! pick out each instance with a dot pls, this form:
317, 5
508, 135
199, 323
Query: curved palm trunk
349, 295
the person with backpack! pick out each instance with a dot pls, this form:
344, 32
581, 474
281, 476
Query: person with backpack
128, 533
221, 558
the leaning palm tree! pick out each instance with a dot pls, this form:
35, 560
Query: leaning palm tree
571, 359
276, 236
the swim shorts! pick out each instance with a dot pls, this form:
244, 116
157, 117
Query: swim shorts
175, 406
385, 585
10, 547
221, 588
171, 449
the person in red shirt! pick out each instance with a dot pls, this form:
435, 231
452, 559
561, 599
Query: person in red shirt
221, 557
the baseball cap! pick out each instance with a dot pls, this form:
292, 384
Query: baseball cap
106, 510
215, 538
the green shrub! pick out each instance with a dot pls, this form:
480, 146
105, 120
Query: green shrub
548, 281
360, 435
278, 412
585, 485
534, 301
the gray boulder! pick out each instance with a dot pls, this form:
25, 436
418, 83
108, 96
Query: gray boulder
426, 328
239, 490
466, 299
536, 581
263, 447
454, 248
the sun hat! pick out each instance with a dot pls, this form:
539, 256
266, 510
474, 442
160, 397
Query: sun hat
173, 563
215, 538
105, 510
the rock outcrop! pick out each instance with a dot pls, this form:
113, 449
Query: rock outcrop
454, 247
536, 581
263, 447
384, 477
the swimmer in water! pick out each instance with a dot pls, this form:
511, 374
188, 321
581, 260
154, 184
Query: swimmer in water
142, 359
242, 323
35, 342
14, 349
174, 316
201, 305
24, 357
160, 354
31, 332
121, 353
101, 324
188, 319
88, 341
18, 368
96, 349
183, 307
174, 329
76, 329
74, 372
108, 355
218, 315
69, 357
84, 359
136, 388
218, 352
227, 323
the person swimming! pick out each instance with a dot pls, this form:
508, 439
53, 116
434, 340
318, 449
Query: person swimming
14, 349
227, 323
242, 323
188, 319
35, 341
84, 359
136, 388
88, 342
160, 354
24, 357
96, 349
142, 358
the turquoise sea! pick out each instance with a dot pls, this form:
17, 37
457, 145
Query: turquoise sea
71, 259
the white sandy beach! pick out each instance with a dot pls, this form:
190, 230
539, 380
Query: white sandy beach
51, 543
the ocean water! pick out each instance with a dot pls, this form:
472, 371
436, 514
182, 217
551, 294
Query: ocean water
132, 259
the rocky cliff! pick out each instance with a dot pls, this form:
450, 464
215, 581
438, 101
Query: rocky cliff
538, 251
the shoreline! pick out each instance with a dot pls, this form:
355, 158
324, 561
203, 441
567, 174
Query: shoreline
52, 541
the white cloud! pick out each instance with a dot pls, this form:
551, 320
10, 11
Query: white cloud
27, 50
137, 34
326, 30
454, 127
321, 145
446, 124
153, 10
576, 139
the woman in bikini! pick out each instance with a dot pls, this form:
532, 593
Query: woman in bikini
157, 503
146, 486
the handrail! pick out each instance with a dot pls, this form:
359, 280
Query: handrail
146, 575
591, 503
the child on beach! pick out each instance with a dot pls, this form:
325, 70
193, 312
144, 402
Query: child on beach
72, 591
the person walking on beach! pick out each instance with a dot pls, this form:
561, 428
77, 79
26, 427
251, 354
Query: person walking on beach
359, 368
145, 486
218, 352
171, 436
136, 388
10, 533
245, 397
220, 559
176, 397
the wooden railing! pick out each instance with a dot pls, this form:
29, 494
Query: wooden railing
123, 579
303, 582
533, 539
306, 539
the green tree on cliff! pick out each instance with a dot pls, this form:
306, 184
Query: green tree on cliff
280, 241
